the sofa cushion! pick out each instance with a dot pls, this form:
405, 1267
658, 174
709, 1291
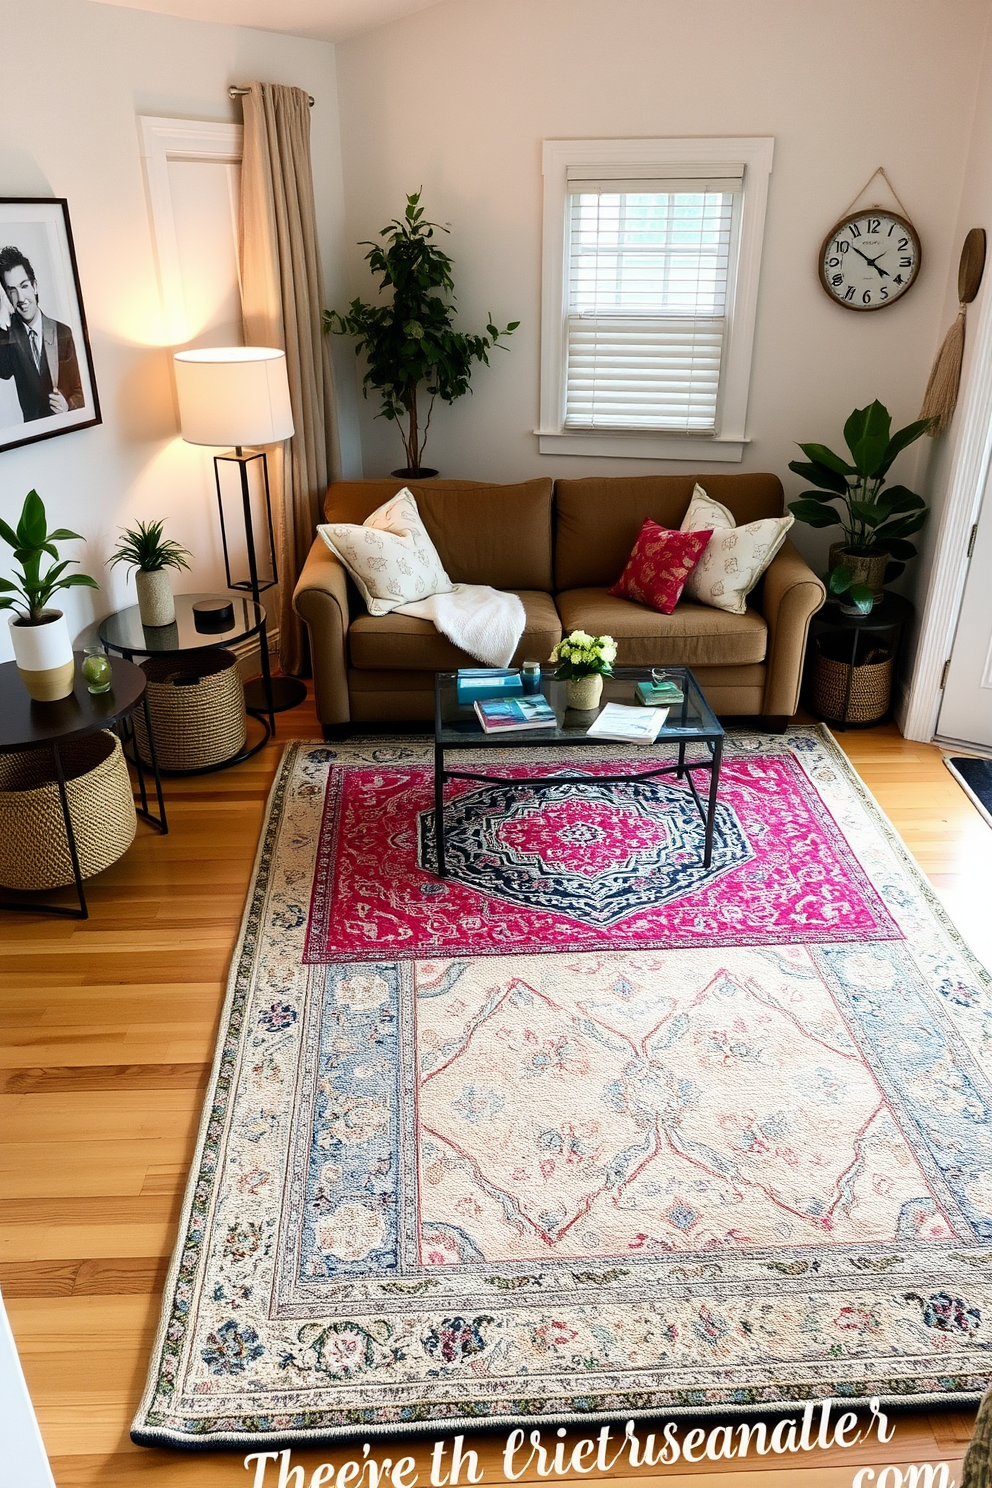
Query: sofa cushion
736, 555
401, 643
485, 534
389, 555
693, 635
659, 565
597, 519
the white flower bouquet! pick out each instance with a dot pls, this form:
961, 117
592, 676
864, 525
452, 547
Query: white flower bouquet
581, 655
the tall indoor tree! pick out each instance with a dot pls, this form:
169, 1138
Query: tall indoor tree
410, 343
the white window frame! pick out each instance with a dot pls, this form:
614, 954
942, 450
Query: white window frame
727, 444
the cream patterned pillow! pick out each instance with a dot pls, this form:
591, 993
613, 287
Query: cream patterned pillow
735, 557
390, 556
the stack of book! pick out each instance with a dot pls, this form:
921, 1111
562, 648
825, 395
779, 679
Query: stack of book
657, 694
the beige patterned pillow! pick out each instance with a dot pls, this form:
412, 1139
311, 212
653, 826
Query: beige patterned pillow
390, 556
735, 557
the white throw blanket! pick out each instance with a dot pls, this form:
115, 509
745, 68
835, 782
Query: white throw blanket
487, 623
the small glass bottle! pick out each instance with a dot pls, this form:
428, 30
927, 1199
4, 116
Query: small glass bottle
530, 676
97, 670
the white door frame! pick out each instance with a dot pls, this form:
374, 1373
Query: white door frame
968, 474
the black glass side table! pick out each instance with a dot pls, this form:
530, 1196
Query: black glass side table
123, 632
26, 725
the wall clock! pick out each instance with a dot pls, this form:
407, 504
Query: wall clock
870, 260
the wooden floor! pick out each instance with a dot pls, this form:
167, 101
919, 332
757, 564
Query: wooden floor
109, 1027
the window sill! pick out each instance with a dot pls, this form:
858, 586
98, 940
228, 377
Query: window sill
723, 448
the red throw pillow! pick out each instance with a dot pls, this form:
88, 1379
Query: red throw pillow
659, 565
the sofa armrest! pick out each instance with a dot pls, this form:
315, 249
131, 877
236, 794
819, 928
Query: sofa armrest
791, 596
321, 601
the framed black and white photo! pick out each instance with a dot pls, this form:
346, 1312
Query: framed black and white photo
47, 386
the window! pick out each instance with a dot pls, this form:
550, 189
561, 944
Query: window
650, 279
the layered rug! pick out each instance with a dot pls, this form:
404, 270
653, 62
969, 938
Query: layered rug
583, 1131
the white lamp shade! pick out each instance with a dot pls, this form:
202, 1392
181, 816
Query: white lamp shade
233, 395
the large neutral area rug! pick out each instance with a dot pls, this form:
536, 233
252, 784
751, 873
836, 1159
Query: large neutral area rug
582, 1131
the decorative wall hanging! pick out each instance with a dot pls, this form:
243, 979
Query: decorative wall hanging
870, 259
941, 396
47, 386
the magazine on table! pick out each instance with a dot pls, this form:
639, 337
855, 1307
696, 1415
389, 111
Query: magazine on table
628, 725
503, 715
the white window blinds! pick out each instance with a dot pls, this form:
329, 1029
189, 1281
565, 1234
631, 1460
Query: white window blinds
650, 279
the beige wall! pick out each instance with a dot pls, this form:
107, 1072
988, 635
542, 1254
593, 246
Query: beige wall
68, 128
459, 98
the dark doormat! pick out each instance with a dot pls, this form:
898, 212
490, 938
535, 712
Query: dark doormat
975, 776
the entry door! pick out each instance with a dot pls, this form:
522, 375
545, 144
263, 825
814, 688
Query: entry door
966, 711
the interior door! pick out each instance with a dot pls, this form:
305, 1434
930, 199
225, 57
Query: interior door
966, 711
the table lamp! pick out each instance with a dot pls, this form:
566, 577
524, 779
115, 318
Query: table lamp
239, 395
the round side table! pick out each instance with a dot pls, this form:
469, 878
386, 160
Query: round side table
123, 632
25, 725
853, 635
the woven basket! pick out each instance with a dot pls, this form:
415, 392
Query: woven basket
871, 685
197, 706
34, 849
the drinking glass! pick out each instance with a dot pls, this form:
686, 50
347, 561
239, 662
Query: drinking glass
97, 670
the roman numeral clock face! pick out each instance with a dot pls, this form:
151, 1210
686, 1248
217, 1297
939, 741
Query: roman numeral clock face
871, 260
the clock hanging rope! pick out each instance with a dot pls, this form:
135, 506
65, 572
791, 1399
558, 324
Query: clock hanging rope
941, 396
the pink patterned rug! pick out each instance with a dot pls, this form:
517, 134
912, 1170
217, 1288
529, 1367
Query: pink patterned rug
580, 869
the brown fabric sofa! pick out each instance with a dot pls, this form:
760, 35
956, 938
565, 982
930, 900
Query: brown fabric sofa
560, 549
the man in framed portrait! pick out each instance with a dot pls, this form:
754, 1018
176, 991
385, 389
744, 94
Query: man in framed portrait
35, 350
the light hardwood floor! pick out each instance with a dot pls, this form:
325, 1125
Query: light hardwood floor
109, 1027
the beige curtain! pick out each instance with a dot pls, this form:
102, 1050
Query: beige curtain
282, 298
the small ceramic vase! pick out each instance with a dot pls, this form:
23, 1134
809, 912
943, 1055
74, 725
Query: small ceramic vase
155, 603
584, 693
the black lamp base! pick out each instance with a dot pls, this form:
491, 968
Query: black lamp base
287, 692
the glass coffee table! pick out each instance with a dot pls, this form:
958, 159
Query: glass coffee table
457, 727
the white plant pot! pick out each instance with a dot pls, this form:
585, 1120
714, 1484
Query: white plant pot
155, 602
44, 656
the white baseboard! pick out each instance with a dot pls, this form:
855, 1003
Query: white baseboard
248, 653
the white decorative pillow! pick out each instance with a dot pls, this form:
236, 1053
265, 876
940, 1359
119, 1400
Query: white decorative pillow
390, 556
735, 557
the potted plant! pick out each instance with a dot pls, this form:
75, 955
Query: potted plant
411, 342
876, 524
40, 636
144, 550
583, 661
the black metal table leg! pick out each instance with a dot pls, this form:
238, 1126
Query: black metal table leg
161, 823
711, 807
681, 769
439, 809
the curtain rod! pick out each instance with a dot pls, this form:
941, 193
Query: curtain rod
235, 92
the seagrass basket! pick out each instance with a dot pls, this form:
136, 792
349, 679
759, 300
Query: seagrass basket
34, 848
197, 706
871, 684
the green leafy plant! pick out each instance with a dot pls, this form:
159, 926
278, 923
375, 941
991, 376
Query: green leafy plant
875, 522
144, 548
582, 655
411, 342
30, 590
